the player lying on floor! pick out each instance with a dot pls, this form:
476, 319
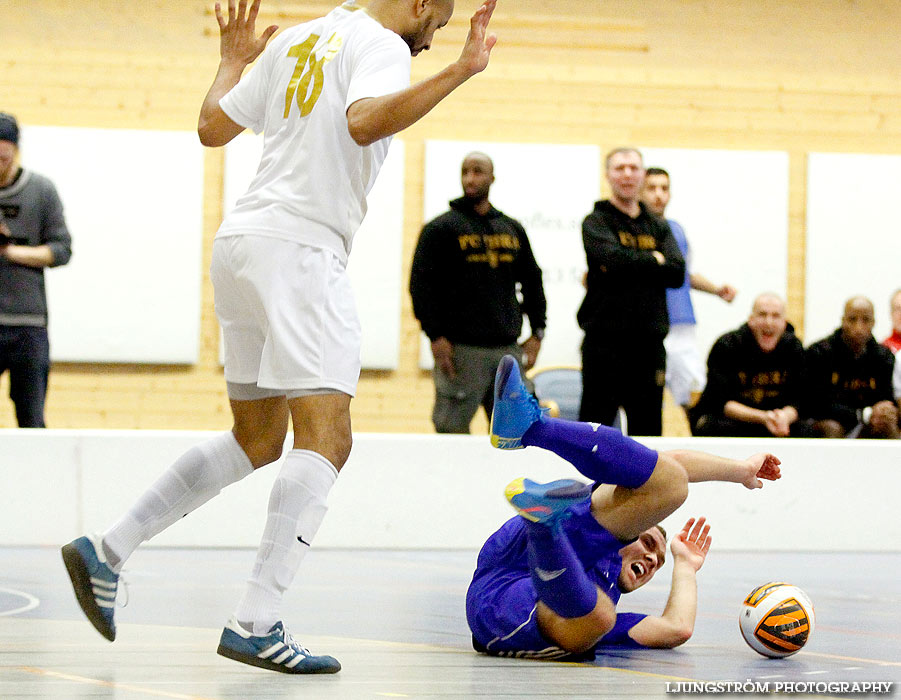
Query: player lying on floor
547, 582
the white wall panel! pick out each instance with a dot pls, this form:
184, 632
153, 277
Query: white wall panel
733, 206
134, 205
853, 237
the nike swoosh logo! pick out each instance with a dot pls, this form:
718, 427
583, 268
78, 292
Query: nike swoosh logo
545, 575
302, 541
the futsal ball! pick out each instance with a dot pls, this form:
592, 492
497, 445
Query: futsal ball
776, 619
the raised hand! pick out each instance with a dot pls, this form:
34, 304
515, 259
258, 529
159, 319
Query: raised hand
761, 466
479, 43
692, 545
727, 292
237, 36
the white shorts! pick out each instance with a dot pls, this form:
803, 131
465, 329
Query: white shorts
287, 314
685, 370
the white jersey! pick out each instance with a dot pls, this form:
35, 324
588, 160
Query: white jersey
313, 179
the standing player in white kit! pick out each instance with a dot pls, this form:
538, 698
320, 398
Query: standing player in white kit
328, 95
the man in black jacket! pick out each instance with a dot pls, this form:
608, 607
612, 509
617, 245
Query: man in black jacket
466, 269
632, 259
848, 383
754, 377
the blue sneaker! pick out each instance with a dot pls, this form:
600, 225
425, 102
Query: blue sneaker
545, 503
515, 409
277, 651
94, 583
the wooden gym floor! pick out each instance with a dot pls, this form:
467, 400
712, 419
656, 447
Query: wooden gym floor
395, 621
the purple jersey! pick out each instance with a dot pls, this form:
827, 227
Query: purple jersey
500, 603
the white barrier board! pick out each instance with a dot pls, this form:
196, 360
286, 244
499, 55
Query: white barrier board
440, 491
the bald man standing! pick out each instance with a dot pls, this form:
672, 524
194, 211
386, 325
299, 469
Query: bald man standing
848, 384
466, 268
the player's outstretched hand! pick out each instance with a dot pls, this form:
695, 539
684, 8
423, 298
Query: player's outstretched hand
479, 43
237, 36
761, 466
692, 545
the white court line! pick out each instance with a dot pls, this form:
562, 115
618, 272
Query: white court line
30, 605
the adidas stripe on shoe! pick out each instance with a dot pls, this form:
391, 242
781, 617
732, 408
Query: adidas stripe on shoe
276, 651
94, 583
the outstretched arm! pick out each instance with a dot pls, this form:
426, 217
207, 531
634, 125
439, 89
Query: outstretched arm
238, 48
375, 118
701, 466
676, 625
726, 292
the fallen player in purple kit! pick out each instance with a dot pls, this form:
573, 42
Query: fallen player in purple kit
547, 582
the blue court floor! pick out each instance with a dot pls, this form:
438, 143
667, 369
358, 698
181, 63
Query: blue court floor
395, 620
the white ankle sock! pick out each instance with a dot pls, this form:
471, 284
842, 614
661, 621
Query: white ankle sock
194, 478
297, 505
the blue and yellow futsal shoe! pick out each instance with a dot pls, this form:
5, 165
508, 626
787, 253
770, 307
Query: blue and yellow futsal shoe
545, 503
276, 651
515, 409
94, 583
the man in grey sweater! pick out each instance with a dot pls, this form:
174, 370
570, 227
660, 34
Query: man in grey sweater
33, 235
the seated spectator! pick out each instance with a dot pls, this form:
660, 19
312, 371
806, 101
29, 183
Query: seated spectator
893, 342
754, 377
848, 379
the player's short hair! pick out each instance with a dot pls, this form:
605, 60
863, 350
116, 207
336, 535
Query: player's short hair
621, 149
656, 171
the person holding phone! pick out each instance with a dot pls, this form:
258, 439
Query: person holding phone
33, 236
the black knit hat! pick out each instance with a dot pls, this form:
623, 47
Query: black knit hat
9, 128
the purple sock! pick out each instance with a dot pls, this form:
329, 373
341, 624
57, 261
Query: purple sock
557, 573
601, 453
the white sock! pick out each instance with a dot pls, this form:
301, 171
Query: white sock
297, 506
194, 478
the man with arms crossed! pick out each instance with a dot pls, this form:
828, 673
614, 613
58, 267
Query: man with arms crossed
547, 582
632, 259
328, 94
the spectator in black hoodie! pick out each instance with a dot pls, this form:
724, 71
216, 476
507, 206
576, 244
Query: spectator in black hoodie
754, 378
848, 385
632, 259
466, 269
